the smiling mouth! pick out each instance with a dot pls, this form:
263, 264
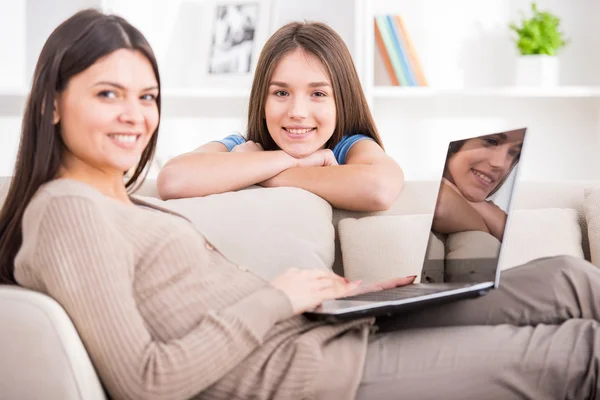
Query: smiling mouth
125, 138
299, 131
481, 177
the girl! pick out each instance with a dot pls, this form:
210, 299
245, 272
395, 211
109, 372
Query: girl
164, 315
476, 169
309, 126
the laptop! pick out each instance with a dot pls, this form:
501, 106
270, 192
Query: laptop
479, 172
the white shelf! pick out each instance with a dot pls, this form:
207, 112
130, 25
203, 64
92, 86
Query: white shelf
395, 92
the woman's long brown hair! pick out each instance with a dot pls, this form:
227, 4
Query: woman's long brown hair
318, 39
73, 47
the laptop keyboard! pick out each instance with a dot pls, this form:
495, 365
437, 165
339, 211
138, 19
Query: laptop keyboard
403, 292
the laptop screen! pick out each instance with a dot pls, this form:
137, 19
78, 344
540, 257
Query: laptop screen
472, 208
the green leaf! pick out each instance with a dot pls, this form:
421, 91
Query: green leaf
539, 34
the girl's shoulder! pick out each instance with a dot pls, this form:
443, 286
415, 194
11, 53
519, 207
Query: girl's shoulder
232, 140
340, 151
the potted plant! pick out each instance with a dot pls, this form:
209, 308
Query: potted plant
538, 41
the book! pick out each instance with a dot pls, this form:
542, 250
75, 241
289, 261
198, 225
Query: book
386, 35
417, 69
387, 62
400, 46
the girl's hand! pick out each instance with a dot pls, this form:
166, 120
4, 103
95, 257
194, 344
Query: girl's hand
320, 158
307, 288
247, 147
387, 284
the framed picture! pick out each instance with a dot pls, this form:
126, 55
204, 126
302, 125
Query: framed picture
233, 38
216, 43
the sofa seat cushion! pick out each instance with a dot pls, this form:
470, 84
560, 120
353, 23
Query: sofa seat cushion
266, 230
43, 356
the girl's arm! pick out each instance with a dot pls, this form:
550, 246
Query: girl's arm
494, 217
369, 181
212, 169
453, 213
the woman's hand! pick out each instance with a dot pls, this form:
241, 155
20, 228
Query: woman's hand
320, 158
307, 288
247, 147
388, 284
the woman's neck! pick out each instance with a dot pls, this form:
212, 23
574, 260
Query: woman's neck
111, 185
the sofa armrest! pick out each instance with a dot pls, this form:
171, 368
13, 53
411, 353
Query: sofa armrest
42, 354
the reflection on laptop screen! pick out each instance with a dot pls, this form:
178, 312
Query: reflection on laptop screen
471, 210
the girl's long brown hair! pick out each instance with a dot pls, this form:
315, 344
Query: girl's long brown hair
73, 47
318, 39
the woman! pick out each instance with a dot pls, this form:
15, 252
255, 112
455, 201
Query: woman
309, 127
476, 169
164, 315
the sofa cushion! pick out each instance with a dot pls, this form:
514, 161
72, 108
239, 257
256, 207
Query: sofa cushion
416, 197
382, 247
386, 246
266, 230
4, 183
591, 208
546, 232
471, 256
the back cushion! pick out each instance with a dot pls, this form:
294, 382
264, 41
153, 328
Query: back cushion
541, 233
471, 256
266, 230
4, 182
416, 197
591, 206
388, 246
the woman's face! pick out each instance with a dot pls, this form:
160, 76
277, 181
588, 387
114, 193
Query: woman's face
482, 163
108, 113
300, 108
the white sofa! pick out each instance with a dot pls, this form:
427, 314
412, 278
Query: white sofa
267, 230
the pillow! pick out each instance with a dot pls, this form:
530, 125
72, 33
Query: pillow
4, 184
591, 209
538, 233
471, 256
389, 246
266, 230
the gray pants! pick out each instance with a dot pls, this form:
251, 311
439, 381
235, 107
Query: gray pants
536, 337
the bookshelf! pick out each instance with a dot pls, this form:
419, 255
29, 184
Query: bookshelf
469, 60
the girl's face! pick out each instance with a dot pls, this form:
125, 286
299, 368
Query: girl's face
482, 163
300, 108
108, 113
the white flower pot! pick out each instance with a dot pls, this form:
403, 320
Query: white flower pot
537, 70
